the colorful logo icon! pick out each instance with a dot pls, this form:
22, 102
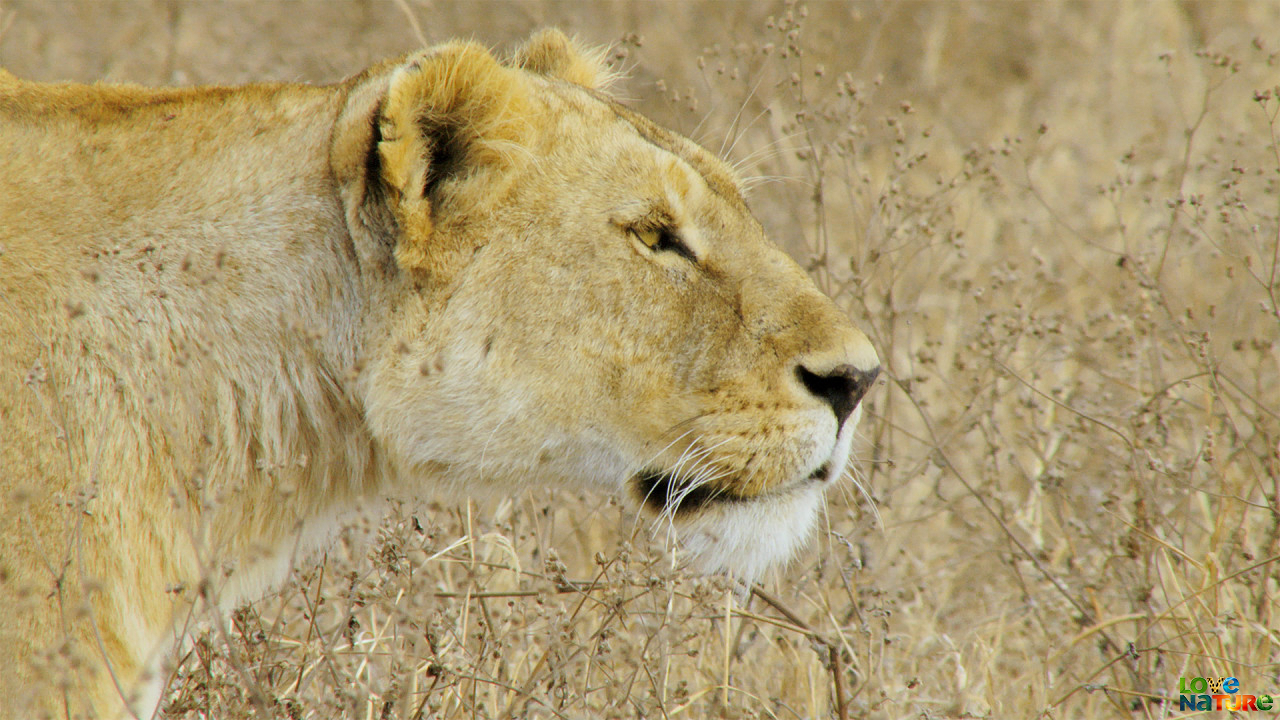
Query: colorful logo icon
1220, 693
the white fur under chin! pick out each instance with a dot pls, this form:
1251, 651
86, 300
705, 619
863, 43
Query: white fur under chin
746, 539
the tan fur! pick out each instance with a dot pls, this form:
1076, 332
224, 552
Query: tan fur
230, 315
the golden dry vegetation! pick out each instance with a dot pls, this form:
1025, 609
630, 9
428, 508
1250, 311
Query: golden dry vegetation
1057, 222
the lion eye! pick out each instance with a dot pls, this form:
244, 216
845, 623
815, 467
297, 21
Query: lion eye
664, 239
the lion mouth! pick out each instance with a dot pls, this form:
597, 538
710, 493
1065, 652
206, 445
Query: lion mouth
664, 492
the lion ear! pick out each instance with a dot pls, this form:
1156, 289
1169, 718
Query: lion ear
442, 113
552, 53
449, 111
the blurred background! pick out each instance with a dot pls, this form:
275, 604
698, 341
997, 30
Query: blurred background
1057, 221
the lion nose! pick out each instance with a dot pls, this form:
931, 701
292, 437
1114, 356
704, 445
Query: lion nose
841, 387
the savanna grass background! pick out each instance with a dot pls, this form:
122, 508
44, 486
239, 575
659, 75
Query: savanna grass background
1057, 222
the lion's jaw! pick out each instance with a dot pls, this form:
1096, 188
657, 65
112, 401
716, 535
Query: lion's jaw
743, 537
746, 537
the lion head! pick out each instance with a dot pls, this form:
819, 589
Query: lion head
581, 295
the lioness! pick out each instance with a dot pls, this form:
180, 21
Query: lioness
227, 314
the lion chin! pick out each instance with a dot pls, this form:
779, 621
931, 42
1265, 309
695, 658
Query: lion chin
744, 537
230, 315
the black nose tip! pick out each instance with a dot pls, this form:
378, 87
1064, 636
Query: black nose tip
841, 387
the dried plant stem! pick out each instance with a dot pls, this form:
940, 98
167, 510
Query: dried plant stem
833, 649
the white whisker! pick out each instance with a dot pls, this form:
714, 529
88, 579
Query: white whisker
733, 124
850, 473
743, 131
654, 456
686, 477
484, 450
752, 182
683, 454
767, 152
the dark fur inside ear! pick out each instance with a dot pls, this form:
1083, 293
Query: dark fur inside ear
446, 157
357, 167
376, 215
372, 159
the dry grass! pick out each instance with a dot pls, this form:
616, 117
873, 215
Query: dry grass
1057, 222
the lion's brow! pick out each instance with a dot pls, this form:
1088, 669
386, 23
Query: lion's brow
716, 179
